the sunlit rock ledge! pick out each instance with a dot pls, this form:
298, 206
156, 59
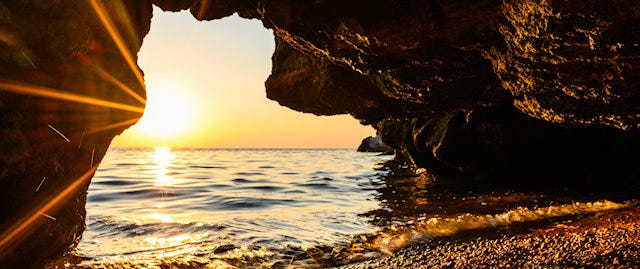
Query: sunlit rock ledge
485, 89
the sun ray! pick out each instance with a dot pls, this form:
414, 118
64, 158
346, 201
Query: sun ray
10, 235
60, 95
204, 6
119, 84
112, 126
117, 38
130, 27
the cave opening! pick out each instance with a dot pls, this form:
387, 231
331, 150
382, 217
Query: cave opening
205, 88
212, 152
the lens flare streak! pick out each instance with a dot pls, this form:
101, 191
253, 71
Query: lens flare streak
9, 235
60, 95
204, 6
120, 85
117, 38
112, 126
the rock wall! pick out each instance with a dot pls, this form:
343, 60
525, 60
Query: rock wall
65, 91
486, 89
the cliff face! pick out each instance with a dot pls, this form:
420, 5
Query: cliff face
488, 89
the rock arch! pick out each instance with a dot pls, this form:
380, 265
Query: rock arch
470, 86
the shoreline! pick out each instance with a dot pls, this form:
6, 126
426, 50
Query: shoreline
602, 240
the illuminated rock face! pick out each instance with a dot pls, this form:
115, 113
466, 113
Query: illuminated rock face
481, 88
488, 90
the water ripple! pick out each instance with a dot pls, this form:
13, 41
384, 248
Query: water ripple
143, 206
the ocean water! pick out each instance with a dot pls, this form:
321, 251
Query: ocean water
242, 207
293, 208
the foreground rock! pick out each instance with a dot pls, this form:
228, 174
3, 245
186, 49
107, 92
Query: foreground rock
373, 144
66, 89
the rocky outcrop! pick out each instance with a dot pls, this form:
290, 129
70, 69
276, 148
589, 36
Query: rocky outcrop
485, 89
502, 146
373, 144
492, 90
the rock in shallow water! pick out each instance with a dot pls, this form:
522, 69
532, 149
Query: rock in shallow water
373, 144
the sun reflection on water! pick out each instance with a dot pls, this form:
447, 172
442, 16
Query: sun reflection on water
219, 208
163, 181
163, 157
174, 245
175, 240
161, 217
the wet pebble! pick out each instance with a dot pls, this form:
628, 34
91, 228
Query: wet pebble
224, 248
611, 240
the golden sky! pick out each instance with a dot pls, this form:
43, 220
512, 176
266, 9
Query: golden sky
205, 87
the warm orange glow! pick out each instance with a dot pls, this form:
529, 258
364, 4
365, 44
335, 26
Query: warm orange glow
163, 157
60, 95
120, 85
43, 211
112, 126
117, 38
205, 87
161, 217
168, 114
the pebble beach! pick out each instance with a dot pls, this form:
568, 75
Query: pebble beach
603, 240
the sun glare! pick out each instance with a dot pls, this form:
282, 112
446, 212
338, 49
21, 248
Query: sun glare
163, 157
168, 113
213, 94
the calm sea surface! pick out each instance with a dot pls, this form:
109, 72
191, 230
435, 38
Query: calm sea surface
252, 206
291, 208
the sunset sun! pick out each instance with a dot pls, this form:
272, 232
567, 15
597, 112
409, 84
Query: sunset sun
168, 113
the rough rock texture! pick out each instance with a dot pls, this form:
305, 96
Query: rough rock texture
53, 50
489, 89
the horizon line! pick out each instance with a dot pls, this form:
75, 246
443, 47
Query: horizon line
150, 147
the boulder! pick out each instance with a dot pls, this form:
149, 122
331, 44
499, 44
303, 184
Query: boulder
373, 144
